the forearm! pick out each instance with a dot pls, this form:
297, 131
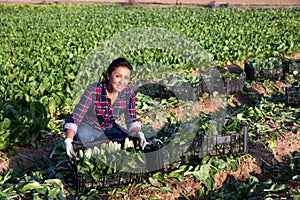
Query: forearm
68, 143
70, 134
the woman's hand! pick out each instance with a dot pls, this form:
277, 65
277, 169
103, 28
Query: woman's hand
143, 141
69, 147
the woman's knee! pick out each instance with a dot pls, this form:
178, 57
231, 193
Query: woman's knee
85, 133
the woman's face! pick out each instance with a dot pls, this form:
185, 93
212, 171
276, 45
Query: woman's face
119, 79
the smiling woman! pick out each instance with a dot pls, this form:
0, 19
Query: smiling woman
118, 76
102, 103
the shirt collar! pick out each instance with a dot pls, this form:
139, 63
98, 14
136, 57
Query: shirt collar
104, 94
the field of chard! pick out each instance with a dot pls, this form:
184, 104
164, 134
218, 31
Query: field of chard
49, 53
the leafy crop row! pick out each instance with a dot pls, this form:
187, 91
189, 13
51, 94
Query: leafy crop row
43, 47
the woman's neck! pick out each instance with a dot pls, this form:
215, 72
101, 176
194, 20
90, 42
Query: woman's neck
113, 95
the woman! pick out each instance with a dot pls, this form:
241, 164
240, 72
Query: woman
100, 105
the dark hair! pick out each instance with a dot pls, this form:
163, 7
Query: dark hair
115, 64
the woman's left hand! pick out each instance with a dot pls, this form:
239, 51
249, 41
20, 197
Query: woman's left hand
143, 141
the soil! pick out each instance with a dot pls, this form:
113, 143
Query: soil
186, 189
23, 158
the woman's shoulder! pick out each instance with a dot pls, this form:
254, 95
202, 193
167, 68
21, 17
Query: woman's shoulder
129, 89
127, 92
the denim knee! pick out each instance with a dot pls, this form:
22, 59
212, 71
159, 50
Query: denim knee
85, 133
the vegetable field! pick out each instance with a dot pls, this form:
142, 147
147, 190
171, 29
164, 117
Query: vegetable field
44, 50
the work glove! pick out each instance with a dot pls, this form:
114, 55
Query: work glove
69, 147
143, 141
128, 143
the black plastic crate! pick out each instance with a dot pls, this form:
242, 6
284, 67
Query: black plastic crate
254, 74
184, 90
163, 158
224, 85
224, 82
234, 85
213, 82
220, 145
198, 87
155, 90
85, 182
182, 154
292, 95
166, 158
293, 65
290, 64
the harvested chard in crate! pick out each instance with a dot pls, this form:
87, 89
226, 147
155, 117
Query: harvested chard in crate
232, 138
105, 165
219, 145
265, 69
224, 82
171, 147
233, 82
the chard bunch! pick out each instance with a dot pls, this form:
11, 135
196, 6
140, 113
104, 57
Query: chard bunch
109, 158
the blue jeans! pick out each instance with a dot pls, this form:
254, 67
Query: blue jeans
87, 133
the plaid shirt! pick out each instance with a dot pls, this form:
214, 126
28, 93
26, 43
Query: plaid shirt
95, 109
